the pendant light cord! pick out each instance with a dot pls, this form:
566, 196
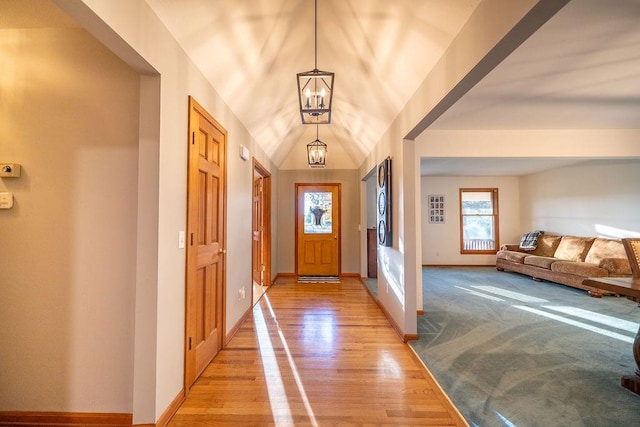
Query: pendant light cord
316, 33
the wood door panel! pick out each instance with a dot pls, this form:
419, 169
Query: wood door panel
206, 224
309, 251
326, 253
214, 228
202, 208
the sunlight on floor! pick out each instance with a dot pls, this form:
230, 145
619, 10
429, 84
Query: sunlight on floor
509, 294
576, 323
592, 316
587, 315
277, 394
389, 365
480, 294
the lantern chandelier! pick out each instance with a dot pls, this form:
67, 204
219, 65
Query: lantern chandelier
315, 89
317, 153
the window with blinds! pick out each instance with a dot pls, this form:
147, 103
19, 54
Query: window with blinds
478, 220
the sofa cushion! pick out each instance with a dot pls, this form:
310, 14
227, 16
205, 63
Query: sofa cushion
573, 248
605, 248
582, 269
512, 256
546, 245
616, 266
540, 261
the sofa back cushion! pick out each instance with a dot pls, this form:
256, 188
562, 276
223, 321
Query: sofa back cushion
609, 254
605, 248
546, 245
573, 248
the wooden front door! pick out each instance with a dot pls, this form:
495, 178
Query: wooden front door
206, 231
318, 229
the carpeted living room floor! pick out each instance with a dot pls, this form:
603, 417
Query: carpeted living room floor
509, 351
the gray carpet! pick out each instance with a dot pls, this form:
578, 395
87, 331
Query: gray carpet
535, 355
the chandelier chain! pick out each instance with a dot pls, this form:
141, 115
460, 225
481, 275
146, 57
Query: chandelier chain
316, 34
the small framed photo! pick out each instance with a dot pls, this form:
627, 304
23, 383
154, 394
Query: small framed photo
436, 209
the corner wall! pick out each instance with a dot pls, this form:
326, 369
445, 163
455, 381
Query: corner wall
68, 256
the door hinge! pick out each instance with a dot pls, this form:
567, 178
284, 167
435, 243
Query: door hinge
263, 267
189, 343
193, 137
191, 239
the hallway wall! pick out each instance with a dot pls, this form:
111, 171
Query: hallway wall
69, 112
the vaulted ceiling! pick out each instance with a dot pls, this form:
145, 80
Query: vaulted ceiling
251, 50
580, 70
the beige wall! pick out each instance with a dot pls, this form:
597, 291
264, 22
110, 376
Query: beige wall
133, 222
350, 217
69, 112
441, 242
595, 198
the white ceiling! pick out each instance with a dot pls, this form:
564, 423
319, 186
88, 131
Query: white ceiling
580, 70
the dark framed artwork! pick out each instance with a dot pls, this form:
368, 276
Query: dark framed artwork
383, 203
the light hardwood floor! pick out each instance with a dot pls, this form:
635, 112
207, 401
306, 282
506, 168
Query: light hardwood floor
316, 354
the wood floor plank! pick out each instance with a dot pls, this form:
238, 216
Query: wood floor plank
316, 354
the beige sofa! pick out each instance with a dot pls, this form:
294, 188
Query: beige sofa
567, 260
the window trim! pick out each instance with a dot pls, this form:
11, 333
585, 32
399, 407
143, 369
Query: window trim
496, 221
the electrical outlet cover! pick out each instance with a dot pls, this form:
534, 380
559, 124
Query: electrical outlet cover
6, 200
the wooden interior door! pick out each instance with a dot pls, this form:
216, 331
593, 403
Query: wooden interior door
258, 228
261, 253
317, 229
206, 231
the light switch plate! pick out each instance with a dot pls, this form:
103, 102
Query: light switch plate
6, 200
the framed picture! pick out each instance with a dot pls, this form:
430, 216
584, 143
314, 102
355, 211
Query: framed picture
385, 235
436, 209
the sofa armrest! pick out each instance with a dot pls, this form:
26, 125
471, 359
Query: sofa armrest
510, 247
616, 266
